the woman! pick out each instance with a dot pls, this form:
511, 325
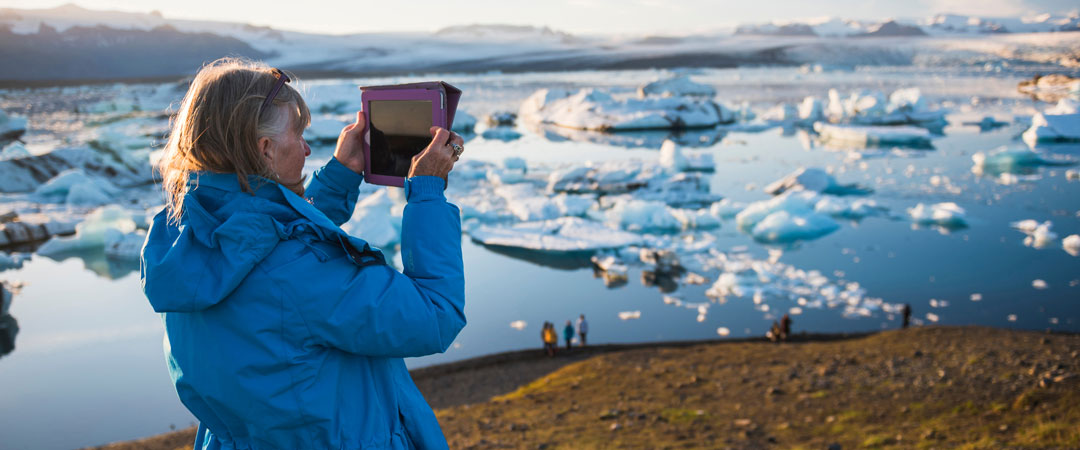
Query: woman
568, 334
282, 331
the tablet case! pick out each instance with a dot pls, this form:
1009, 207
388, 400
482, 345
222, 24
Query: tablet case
449, 96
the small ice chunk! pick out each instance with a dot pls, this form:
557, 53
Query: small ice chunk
976, 297
642, 215
78, 188
723, 331
1038, 234
1061, 123
1039, 284
869, 136
785, 226
1011, 160
92, 231
630, 315
11, 261
726, 208
932, 317
518, 325
515, 163
795, 310
671, 157
812, 179
677, 86
463, 122
1072, 174
14, 150
565, 234
1071, 244
1012, 317
946, 214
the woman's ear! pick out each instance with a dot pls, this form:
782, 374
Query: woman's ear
266, 149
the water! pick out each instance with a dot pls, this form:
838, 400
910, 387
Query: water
88, 369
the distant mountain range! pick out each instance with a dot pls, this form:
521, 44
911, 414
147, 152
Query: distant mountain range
70, 43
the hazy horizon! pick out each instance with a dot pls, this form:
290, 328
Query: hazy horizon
586, 16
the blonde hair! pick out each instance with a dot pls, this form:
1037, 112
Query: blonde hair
219, 124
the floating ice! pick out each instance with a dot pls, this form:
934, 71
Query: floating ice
630, 315
26, 174
11, 127
723, 331
98, 228
1038, 234
672, 157
14, 150
591, 109
124, 246
565, 234
1012, 160
518, 325
1071, 244
514, 162
643, 215
987, 123
1039, 284
904, 106
1072, 174
851, 209
813, 179
505, 134
11, 261
946, 214
527, 204
932, 317
374, 219
613, 272
501, 119
75, 187
785, 226
463, 122
869, 136
1061, 123
1011, 317
324, 129
677, 86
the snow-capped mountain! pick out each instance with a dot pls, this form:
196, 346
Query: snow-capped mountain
73, 43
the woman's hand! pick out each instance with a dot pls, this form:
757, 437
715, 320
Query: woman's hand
350, 148
438, 158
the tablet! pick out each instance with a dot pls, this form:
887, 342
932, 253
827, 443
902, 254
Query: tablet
399, 121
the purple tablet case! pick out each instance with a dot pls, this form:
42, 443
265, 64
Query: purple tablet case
444, 100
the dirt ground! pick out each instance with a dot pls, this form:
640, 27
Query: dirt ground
928, 387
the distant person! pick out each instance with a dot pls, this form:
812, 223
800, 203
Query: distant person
785, 327
582, 328
907, 314
281, 329
549, 338
774, 332
568, 334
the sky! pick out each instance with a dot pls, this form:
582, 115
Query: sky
573, 16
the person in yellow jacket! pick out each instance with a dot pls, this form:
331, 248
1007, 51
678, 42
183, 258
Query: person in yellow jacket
551, 340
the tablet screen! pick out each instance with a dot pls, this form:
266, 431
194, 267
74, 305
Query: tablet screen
399, 130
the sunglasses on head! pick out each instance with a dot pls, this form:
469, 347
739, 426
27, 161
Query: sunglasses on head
281, 80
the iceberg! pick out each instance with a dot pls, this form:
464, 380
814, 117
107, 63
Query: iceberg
1013, 160
26, 174
75, 187
677, 86
947, 214
93, 232
501, 119
14, 150
592, 109
1038, 235
870, 136
463, 122
505, 134
1071, 244
124, 246
11, 261
672, 157
630, 315
1061, 123
643, 215
528, 204
866, 107
788, 217
11, 127
374, 220
816, 180
562, 235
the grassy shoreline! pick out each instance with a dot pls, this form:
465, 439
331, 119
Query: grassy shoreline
927, 387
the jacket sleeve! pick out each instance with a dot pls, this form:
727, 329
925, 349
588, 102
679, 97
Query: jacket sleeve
377, 311
333, 189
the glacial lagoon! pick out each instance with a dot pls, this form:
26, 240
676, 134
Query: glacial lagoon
87, 366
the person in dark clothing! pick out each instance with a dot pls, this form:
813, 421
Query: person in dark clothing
907, 314
568, 334
785, 327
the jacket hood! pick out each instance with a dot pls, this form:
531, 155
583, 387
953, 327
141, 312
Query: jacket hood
222, 235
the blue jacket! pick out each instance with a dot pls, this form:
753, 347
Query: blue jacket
284, 332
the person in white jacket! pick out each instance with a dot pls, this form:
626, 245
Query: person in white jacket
582, 328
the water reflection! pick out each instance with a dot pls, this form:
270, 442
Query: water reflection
97, 262
560, 261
